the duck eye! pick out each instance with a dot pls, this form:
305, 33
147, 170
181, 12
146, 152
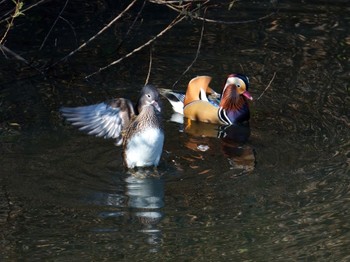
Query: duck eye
148, 95
238, 85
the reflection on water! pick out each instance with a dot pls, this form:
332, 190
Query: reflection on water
142, 202
234, 144
233, 139
145, 198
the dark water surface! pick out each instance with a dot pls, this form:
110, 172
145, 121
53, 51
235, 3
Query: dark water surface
278, 192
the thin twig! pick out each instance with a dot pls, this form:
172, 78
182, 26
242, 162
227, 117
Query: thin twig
4, 50
132, 25
72, 27
195, 58
178, 8
274, 74
181, 6
24, 10
96, 35
162, 2
178, 19
16, 13
150, 66
15, 55
53, 25
234, 22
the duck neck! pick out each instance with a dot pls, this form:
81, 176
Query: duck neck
150, 116
233, 108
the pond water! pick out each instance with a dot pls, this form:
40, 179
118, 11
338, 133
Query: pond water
277, 191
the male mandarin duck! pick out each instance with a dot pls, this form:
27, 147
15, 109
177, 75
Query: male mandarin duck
138, 128
201, 103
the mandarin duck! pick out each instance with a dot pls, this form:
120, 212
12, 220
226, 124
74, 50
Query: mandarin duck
139, 129
201, 103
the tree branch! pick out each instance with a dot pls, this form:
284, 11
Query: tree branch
274, 74
195, 58
149, 66
53, 25
177, 20
96, 35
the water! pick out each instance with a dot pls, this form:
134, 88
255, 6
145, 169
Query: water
278, 192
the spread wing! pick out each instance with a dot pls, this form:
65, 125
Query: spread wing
106, 120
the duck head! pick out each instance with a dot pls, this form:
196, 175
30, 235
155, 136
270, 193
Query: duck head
233, 106
149, 96
235, 93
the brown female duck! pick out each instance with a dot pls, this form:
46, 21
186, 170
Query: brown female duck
139, 129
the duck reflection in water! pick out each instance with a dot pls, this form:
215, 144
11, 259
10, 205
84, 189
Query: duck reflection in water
140, 201
146, 198
234, 145
233, 138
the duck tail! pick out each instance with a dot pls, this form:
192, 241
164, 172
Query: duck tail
176, 99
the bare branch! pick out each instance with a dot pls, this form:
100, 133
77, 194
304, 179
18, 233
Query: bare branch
274, 74
196, 57
98, 34
132, 25
73, 29
182, 6
15, 14
162, 2
234, 22
150, 66
178, 19
53, 25
6, 16
4, 50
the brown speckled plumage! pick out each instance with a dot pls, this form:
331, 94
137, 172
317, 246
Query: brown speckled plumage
117, 119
